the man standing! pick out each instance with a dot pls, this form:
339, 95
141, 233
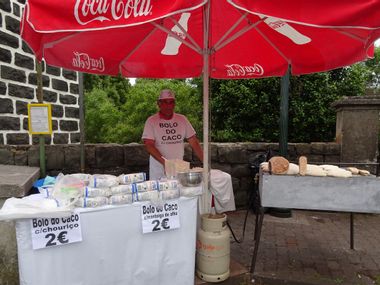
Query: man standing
164, 135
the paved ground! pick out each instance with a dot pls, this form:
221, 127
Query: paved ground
311, 247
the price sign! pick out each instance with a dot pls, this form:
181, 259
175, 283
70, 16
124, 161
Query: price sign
160, 218
48, 232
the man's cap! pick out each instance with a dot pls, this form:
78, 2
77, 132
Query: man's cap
166, 94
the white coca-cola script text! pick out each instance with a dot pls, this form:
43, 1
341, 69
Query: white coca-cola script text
236, 70
86, 11
84, 61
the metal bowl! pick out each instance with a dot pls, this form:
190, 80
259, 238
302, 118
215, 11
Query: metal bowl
189, 179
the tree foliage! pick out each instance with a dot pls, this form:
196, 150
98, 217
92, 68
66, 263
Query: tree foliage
240, 110
118, 114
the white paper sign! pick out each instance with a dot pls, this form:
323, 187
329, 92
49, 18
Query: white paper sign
39, 119
160, 218
47, 232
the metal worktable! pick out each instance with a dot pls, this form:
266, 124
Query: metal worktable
357, 194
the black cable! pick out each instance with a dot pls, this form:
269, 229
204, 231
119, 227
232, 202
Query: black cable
244, 225
252, 198
250, 204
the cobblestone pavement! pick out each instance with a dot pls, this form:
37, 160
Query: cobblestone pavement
311, 247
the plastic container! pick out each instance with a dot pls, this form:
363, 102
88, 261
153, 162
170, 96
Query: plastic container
96, 192
132, 178
152, 196
81, 176
149, 185
103, 181
169, 194
120, 199
122, 189
91, 202
191, 191
168, 185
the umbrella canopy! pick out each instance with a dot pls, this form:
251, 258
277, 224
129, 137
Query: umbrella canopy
167, 38
229, 39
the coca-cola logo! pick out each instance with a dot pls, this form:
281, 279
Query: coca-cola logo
87, 11
276, 25
84, 61
236, 70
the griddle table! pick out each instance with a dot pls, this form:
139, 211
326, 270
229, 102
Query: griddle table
357, 194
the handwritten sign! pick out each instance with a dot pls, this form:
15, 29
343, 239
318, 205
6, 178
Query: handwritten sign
160, 218
47, 232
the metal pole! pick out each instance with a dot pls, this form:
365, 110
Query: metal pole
284, 111
352, 230
81, 123
206, 156
283, 139
41, 138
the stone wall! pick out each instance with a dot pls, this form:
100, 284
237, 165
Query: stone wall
18, 82
233, 158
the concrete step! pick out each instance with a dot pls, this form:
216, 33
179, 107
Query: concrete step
16, 181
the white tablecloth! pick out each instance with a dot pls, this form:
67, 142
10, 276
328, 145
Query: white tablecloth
114, 251
221, 188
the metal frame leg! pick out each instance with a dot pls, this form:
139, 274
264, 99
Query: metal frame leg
352, 230
259, 224
256, 225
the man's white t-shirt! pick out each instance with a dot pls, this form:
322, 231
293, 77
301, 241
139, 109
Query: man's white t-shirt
169, 136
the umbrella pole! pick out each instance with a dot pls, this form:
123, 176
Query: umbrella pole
284, 113
206, 158
284, 118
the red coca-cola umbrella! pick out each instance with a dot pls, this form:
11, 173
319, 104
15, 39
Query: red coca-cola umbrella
229, 39
168, 38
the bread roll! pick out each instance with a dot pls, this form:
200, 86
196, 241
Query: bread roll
278, 165
302, 162
292, 170
364, 172
264, 166
315, 170
353, 170
328, 167
339, 172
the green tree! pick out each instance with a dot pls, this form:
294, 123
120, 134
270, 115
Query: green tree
116, 88
374, 72
142, 102
110, 120
240, 110
248, 110
101, 117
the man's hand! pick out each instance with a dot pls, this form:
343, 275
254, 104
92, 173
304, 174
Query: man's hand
194, 142
153, 151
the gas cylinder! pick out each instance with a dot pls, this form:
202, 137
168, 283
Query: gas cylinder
213, 248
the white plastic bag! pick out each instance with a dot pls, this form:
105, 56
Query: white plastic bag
33, 206
67, 190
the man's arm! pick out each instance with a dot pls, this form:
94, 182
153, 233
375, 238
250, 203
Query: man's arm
194, 142
153, 151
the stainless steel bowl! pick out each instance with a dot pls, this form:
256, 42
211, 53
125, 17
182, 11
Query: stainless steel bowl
189, 179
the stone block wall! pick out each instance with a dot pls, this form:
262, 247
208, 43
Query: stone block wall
233, 158
18, 86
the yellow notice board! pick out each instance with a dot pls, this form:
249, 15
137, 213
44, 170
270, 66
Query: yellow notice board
39, 116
